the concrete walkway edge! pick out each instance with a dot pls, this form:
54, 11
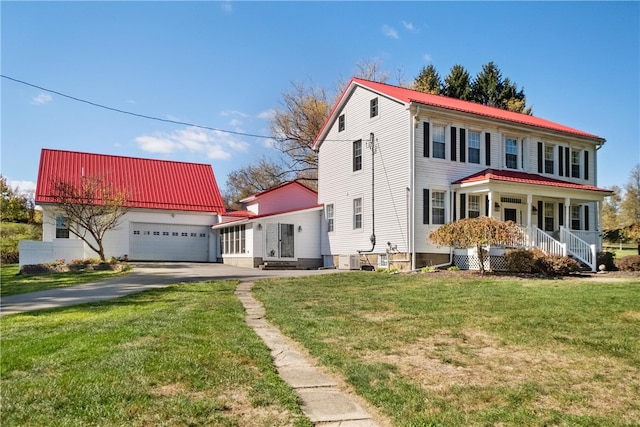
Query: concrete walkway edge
322, 400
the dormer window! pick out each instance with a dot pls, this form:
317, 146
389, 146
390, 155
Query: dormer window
373, 107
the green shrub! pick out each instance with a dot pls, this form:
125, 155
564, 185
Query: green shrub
454, 268
628, 263
428, 269
556, 265
607, 259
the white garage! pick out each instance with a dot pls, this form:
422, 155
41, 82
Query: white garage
168, 242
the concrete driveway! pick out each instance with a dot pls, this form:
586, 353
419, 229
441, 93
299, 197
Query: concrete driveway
144, 276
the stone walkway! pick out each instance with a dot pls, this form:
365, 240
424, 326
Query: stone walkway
322, 400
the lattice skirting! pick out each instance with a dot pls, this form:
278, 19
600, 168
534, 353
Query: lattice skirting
471, 262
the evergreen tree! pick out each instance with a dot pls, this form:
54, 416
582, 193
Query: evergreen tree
487, 86
457, 84
428, 81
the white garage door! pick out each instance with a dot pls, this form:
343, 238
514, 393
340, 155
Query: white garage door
167, 242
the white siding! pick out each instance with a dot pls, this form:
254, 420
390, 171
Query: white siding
116, 242
338, 184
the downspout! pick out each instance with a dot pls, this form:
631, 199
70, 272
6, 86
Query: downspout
372, 239
412, 185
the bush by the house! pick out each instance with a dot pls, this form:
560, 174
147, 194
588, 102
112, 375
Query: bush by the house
522, 260
607, 259
556, 265
628, 263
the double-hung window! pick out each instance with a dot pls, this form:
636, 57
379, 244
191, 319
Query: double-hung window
473, 147
474, 206
357, 213
329, 212
549, 158
437, 207
511, 153
438, 142
357, 155
62, 227
548, 216
373, 107
575, 217
341, 123
575, 164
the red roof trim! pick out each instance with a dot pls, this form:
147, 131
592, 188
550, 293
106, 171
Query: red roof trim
411, 96
286, 184
253, 218
149, 183
524, 178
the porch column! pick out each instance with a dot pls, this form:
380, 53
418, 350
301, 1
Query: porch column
529, 209
490, 201
567, 212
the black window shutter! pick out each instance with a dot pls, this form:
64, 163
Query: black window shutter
561, 214
586, 218
540, 214
463, 145
560, 161
486, 205
463, 206
567, 162
540, 157
487, 149
425, 138
454, 206
425, 206
454, 143
586, 165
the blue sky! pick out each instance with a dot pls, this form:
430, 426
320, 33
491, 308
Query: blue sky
225, 65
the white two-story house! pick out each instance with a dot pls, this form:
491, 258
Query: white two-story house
394, 164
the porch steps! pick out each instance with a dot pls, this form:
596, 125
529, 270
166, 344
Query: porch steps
279, 265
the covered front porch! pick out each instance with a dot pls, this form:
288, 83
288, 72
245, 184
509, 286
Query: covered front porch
558, 217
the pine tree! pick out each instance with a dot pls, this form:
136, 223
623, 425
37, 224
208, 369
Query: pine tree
428, 81
457, 84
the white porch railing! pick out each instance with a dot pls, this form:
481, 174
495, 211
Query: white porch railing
580, 249
591, 237
533, 237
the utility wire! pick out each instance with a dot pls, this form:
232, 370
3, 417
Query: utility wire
135, 114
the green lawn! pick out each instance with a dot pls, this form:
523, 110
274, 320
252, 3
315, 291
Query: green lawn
12, 283
177, 356
445, 349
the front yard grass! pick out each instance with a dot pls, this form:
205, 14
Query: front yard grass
181, 355
445, 349
12, 283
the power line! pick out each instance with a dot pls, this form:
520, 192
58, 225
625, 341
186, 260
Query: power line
117, 110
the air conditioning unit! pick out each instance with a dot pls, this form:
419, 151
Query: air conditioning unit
349, 262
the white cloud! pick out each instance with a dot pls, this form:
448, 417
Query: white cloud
233, 113
409, 26
41, 99
235, 122
213, 144
24, 187
389, 32
267, 115
269, 142
426, 57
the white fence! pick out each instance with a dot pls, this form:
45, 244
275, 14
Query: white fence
36, 252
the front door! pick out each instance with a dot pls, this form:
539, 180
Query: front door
511, 215
280, 241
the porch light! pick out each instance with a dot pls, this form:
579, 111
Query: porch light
259, 226
497, 206
534, 209
299, 228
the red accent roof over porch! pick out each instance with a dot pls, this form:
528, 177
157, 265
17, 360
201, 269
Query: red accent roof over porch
524, 178
148, 183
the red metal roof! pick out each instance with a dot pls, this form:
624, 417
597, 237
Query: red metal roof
408, 96
147, 183
524, 178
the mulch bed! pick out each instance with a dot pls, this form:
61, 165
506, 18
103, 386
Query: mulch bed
63, 268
